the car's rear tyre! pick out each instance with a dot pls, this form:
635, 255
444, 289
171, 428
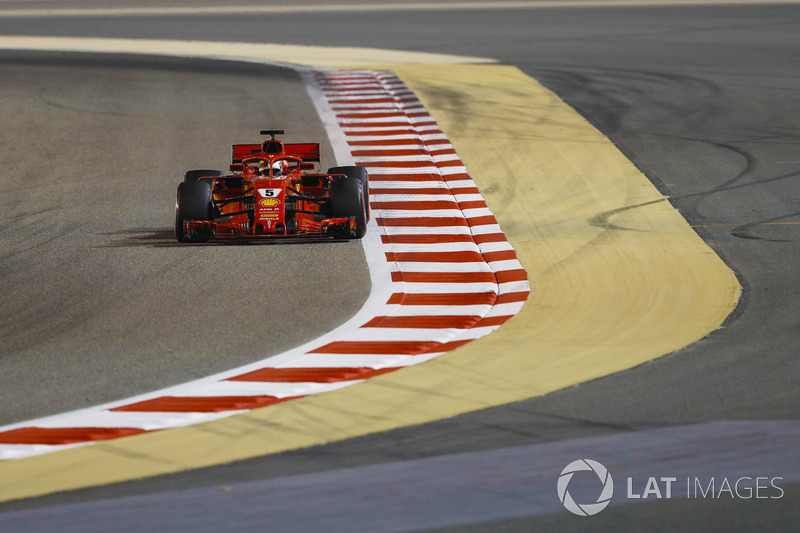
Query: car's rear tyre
363, 177
194, 175
192, 203
347, 199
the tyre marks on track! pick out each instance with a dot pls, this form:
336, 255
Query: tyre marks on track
452, 277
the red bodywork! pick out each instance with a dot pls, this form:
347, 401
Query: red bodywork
272, 190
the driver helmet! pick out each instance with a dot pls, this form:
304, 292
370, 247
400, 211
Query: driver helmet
279, 168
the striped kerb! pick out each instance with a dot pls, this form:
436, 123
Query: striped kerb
453, 278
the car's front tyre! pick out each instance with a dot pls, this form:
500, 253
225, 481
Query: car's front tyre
347, 199
359, 173
193, 202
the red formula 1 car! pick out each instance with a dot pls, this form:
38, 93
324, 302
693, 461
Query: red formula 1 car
272, 190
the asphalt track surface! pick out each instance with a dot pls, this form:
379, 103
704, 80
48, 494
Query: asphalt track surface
702, 99
100, 301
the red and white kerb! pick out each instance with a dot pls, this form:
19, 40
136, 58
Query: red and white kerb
450, 277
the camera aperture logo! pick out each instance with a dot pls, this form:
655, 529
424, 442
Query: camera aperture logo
585, 509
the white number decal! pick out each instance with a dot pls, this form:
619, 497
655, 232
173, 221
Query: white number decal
269, 193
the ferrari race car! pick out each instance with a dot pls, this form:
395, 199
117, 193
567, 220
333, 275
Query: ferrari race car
272, 190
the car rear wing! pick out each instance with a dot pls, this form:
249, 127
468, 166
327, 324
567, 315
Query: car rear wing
305, 151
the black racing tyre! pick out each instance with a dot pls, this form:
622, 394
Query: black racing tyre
192, 203
356, 172
194, 175
347, 200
